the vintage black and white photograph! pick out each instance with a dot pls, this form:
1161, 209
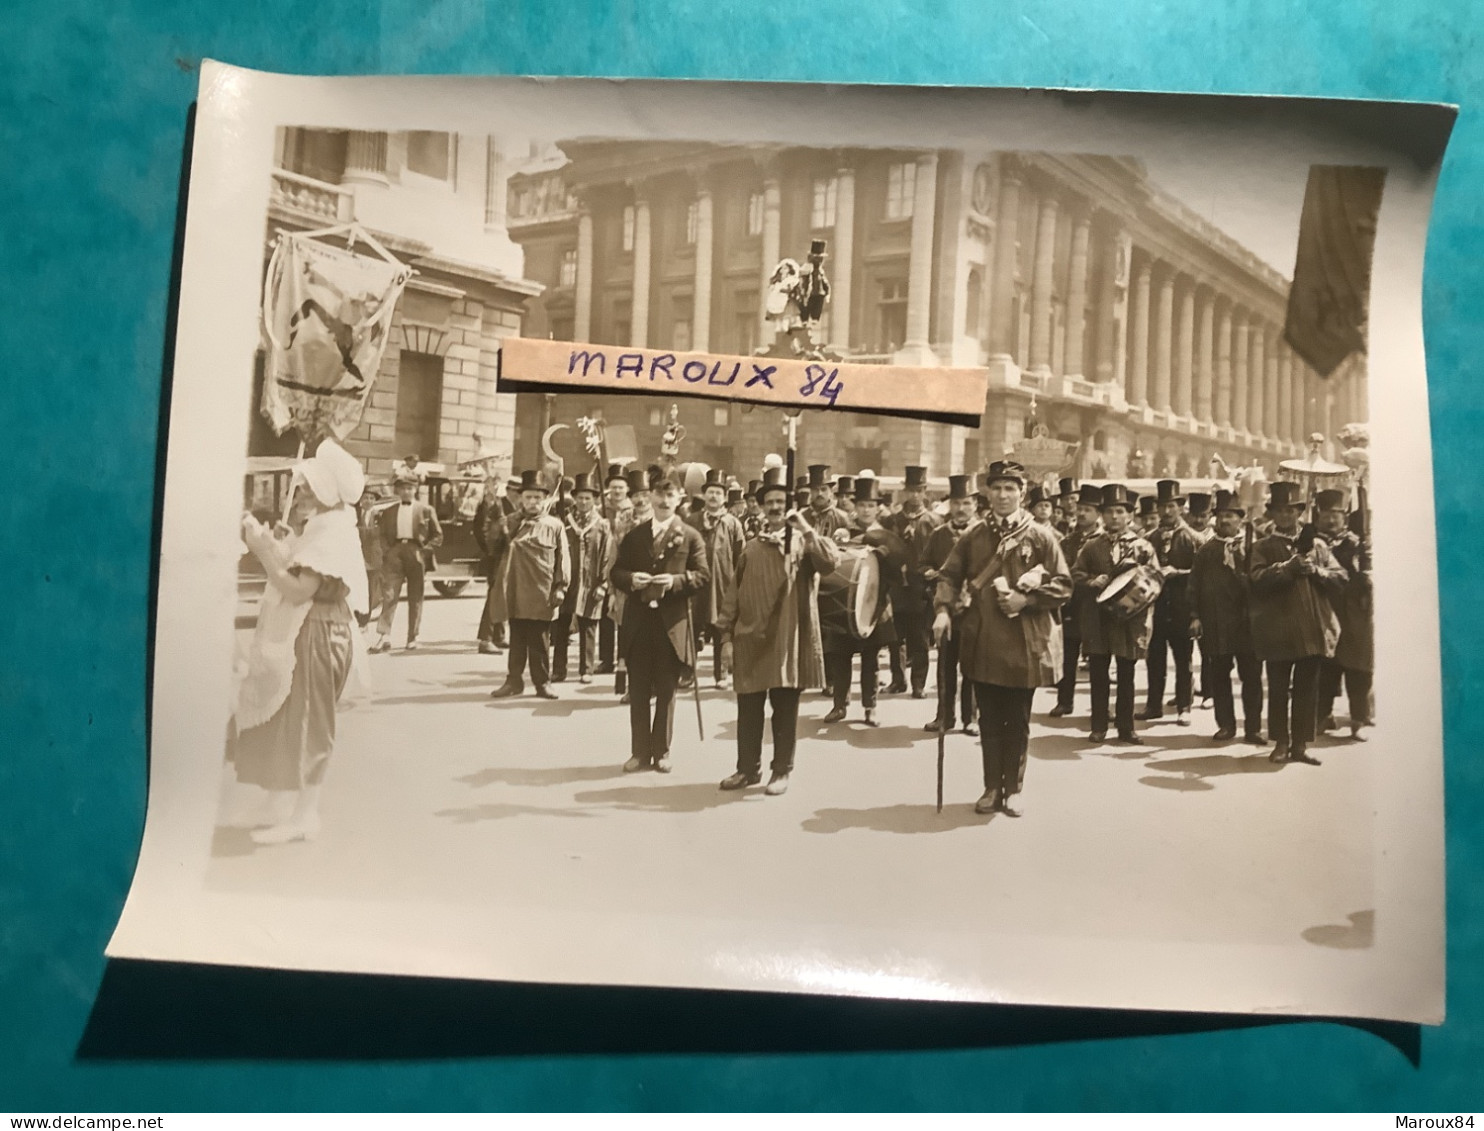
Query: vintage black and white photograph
538, 638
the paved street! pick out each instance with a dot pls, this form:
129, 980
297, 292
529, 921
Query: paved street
439, 794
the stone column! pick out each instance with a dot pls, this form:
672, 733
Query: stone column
844, 260
1256, 378
1185, 351
1285, 392
1239, 370
1108, 362
1223, 408
639, 329
365, 158
1270, 391
1138, 373
1002, 285
1077, 296
1163, 345
582, 300
700, 333
772, 242
1205, 365
1300, 401
1042, 285
920, 263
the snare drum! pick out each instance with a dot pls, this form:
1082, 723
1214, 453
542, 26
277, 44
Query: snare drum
850, 597
1131, 593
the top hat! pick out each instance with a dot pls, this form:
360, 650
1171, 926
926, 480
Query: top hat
774, 479
1199, 502
1090, 496
845, 485
1329, 500
615, 474
801, 483
716, 477
637, 479
1169, 492
583, 481
734, 495
1065, 488
958, 486
1005, 469
1117, 495
1147, 504
753, 485
1283, 494
817, 473
531, 481
1227, 501
1037, 494
915, 477
867, 490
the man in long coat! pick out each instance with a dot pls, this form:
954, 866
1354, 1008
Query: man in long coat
1354, 658
912, 601
770, 613
661, 563
841, 645
953, 698
1087, 525
823, 514
531, 583
1106, 636
618, 513
1294, 629
1009, 573
590, 543
722, 533
1175, 547
1221, 621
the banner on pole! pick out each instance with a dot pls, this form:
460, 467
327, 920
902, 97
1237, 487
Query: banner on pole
326, 313
950, 395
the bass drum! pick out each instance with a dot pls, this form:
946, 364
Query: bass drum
850, 597
1131, 593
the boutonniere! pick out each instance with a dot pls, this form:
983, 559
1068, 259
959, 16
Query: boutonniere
1026, 552
674, 543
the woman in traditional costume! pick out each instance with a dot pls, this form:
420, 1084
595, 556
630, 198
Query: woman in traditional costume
283, 722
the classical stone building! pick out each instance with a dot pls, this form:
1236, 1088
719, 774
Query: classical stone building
436, 201
1104, 308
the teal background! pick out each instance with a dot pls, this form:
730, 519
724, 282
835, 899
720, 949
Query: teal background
93, 113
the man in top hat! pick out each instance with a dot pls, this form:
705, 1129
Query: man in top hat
1089, 525
911, 602
951, 699
845, 497
618, 513
723, 537
824, 515
1294, 628
1199, 517
802, 494
770, 614
840, 643
591, 547
493, 509
1067, 493
1220, 586
531, 584
1175, 546
637, 481
736, 502
1148, 515
1354, 658
408, 531
1042, 507
1008, 575
1106, 635
752, 517
661, 563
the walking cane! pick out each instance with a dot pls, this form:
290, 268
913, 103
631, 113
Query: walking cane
942, 720
695, 670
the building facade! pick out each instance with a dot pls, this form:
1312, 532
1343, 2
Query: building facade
436, 201
1105, 310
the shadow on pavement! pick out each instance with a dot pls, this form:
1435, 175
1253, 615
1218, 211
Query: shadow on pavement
180, 1011
504, 810
896, 819
432, 697
1358, 934
539, 775
686, 797
1189, 774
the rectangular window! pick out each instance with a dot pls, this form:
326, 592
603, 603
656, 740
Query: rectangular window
419, 405
567, 277
692, 221
822, 209
755, 214
628, 227
901, 189
430, 154
744, 322
891, 313
722, 416
680, 335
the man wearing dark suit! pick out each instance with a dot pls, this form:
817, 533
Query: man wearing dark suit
408, 530
661, 562
911, 602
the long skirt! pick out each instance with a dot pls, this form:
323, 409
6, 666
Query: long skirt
292, 749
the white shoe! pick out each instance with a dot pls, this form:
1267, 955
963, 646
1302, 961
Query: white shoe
304, 828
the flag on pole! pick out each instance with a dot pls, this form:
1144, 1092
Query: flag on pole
326, 313
1328, 304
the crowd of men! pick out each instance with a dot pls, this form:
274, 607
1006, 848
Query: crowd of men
1014, 586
